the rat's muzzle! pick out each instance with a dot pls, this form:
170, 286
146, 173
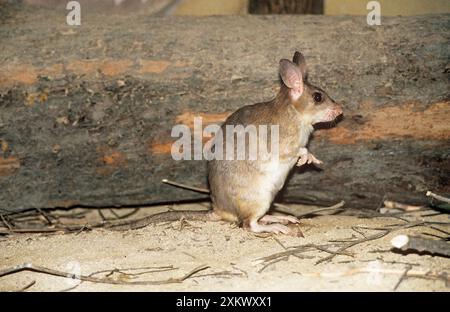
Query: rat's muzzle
333, 113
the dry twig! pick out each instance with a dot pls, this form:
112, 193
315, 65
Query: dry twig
315, 211
85, 278
296, 251
29, 285
372, 237
293, 251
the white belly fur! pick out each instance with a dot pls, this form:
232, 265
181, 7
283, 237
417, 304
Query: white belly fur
276, 173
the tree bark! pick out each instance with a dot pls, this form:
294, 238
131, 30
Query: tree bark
86, 112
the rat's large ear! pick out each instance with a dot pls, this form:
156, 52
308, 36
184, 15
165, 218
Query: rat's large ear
299, 59
292, 78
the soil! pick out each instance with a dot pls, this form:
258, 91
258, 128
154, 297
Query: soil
232, 254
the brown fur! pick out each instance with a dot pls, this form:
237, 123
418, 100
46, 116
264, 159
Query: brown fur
236, 185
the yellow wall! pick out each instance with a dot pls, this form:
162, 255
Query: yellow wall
332, 7
388, 7
211, 7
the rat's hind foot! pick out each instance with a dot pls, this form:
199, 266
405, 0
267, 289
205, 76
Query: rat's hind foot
283, 219
269, 228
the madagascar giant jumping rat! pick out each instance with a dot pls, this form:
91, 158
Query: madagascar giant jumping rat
243, 190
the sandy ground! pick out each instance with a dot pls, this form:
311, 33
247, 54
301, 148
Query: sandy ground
233, 257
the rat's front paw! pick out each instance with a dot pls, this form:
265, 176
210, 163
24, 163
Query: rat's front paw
307, 157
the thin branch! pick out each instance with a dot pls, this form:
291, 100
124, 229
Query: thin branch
371, 238
295, 251
42, 230
222, 274
29, 285
354, 228
46, 217
44, 270
102, 216
61, 228
403, 277
279, 243
334, 207
121, 271
6, 222
131, 213
269, 263
440, 230
114, 213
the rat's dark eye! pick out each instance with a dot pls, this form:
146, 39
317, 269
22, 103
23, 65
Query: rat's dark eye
317, 96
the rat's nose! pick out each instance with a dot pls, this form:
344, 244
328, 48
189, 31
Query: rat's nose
338, 110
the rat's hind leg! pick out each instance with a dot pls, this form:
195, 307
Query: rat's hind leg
281, 218
277, 228
253, 212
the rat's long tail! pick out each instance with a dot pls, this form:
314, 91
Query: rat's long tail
186, 187
167, 216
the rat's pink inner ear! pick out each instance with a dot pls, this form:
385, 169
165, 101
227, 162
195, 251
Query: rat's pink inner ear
292, 78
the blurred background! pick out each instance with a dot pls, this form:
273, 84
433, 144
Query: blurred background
233, 7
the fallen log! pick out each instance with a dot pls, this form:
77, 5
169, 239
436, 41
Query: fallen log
86, 112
